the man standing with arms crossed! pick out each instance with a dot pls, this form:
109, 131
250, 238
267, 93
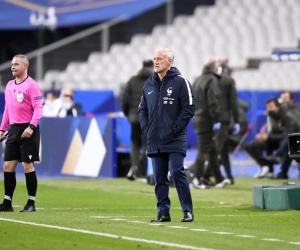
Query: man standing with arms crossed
166, 107
23, 110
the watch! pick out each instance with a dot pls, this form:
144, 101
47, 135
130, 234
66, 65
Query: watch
32, 126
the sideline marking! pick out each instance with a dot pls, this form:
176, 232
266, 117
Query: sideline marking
270, 239
169, 244
245, 236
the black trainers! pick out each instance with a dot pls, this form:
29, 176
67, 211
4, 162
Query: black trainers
28, 208
5, 208
187, 217
162, 218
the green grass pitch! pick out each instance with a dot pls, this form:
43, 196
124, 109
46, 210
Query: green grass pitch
115, 214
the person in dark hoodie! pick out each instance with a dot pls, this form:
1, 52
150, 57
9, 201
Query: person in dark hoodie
228, 109
166, 107
130, 99
205, 122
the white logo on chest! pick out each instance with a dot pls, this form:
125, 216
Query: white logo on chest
20, 97
169, 91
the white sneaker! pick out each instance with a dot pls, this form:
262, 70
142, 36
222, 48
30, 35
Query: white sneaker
224, 183
257, 174
264, 172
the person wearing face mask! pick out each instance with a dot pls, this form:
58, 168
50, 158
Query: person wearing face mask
68, 107
207, 120
269, 141
289, 119
51, 105
228, 108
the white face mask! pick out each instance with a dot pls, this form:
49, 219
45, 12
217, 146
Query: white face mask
220, 70
66, 105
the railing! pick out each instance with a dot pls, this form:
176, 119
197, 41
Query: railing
39, 53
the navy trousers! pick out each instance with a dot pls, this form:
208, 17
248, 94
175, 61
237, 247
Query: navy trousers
162, 163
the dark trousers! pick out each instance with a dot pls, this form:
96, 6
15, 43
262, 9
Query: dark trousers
137, 155
207, 151
173, 162
222, 148
283, 152
256, 148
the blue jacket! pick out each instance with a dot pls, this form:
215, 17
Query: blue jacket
164, 112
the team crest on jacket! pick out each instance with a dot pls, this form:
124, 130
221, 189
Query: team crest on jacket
169, 91
20, 97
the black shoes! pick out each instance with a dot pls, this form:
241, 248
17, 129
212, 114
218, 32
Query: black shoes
187, 217
5, 208
162, 218
28, 208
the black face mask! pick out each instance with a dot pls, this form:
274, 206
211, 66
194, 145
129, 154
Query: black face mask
274, 115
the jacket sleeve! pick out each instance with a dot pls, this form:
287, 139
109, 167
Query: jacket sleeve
187, 103
233, 102
125, 98
143, 112
212, 95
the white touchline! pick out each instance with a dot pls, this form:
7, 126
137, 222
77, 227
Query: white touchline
245, 236
199, 230
221, 233
162, 243
270, 239
295, 243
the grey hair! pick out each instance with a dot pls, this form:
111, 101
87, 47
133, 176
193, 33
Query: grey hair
168, 51
23, 58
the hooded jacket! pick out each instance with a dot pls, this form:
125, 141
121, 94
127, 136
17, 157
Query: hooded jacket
165, 110
207, 98
131, 95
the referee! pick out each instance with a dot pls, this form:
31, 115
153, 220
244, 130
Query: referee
23, 110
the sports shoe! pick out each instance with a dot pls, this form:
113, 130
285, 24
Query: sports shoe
28, 208
265, 170
6, 209
162, 218
132, 173
224, 183
257, 174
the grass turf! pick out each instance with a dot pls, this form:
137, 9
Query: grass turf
124, 209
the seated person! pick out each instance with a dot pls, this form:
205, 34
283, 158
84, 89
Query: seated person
289, 119
51, 105
69, 93
68, 107
266, 141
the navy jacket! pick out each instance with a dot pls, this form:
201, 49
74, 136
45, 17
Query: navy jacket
164, 112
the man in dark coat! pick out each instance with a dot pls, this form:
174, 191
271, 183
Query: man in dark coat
130, 99
228, 108
205, 122
166, 107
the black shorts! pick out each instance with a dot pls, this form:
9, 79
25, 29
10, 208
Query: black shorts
22, 149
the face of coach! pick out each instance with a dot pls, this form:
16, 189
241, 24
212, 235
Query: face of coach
19, 67
162, 63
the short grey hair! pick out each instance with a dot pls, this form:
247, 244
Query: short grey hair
23, 58
168, 51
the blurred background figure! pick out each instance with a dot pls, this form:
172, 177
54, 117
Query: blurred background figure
268, 142
67, 106
207, 120
51, 105
228, 109
130, 99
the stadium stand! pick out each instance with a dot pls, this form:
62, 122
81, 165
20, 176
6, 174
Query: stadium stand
266, 25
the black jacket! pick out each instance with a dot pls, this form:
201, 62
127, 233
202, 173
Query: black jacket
228, 100
207, 99
165, 110
131, 95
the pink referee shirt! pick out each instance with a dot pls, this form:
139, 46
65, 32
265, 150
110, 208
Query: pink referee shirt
23, 103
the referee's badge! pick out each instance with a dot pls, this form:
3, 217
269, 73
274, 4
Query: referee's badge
20, 97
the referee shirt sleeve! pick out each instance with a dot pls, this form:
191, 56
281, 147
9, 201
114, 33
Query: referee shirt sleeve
5, 120
37, 103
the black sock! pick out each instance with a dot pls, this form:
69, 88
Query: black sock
31, 184
9, 187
